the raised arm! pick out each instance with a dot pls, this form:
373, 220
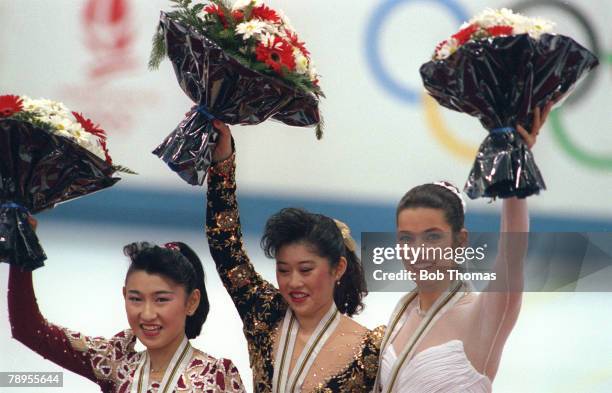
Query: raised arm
94, 358
499, 305
255, 298
30, 328
514, 230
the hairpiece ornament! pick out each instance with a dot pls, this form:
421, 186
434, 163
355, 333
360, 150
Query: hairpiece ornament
455, 191
346, 235
172, 246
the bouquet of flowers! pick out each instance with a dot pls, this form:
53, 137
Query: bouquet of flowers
49, 155
241, 64
498, 68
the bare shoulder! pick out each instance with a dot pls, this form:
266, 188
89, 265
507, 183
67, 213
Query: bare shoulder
358, 332
351, 327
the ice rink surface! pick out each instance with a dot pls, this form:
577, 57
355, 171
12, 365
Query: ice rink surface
561, 342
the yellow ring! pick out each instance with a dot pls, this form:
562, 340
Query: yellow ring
436, 124
596, 379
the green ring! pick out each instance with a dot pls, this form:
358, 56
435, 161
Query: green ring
599, 161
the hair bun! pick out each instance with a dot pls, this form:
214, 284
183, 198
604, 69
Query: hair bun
133, 249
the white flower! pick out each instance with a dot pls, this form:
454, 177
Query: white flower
520, 24
242, 4
28, 103
46, 108
251, 28
312, 72
301, 62
63, 124
444, 52
269, 41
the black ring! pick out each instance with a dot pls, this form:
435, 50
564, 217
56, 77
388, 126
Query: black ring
572, 10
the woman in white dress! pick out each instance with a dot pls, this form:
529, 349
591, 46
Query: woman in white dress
442, 337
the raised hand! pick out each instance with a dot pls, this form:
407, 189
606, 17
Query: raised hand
539, 118
224, 143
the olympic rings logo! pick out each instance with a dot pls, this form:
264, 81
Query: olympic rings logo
433, 116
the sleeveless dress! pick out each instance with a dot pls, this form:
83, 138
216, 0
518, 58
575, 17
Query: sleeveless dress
439, 369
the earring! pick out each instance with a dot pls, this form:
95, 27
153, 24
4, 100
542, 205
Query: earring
338, 283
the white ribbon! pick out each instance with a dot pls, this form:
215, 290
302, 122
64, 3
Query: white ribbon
440, 306
284, 383
178, 364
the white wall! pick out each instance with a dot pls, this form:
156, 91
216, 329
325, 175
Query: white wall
376, 146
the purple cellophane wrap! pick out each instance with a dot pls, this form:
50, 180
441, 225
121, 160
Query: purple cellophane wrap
39, 170
224, 89
500, 81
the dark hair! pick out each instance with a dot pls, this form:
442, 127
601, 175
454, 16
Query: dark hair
434, 196
179, 263
292, 225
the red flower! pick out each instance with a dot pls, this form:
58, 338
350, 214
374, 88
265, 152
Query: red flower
263, 12
214, 9
109, 160
500, 30
293, 38
89, 126
276, 53
9, 105
463, 35
94, 129
238, 15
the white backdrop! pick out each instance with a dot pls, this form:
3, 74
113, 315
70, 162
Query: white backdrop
92, 54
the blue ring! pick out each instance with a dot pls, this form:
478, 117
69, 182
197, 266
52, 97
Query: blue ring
373, 30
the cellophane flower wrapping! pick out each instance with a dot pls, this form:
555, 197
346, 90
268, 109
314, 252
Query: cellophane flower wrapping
500, 79
47, 158
223, 87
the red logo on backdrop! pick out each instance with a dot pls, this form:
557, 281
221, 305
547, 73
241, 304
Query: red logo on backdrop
112, 92
109, 35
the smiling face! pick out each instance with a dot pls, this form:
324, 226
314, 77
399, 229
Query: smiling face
306, 280
157, 308
428, 228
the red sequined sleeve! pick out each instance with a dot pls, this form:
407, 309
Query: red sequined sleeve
228, 378
30, 328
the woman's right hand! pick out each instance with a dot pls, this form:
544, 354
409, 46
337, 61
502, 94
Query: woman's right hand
223, 150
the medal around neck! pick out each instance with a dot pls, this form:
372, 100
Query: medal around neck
178, 364
283, 382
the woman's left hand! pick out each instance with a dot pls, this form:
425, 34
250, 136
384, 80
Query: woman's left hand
539, 118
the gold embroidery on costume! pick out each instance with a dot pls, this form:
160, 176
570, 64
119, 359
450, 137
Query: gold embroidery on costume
260, 305
116, 360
